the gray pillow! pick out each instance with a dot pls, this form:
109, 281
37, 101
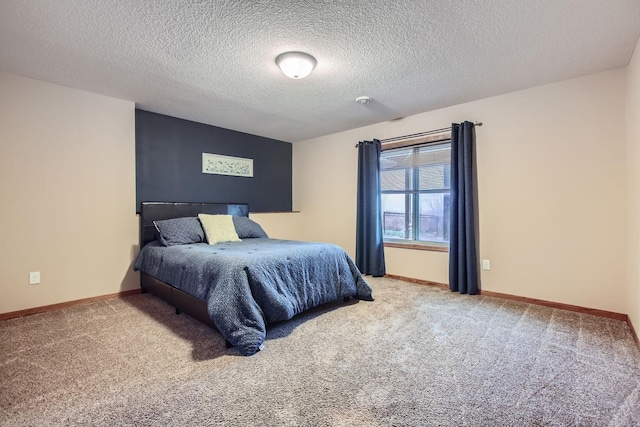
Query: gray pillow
179, 231
247, 228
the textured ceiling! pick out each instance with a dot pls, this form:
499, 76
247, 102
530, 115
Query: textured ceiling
213, 61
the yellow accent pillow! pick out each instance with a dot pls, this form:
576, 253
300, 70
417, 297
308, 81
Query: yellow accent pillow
218, 228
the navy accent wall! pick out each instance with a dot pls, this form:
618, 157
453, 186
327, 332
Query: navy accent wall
169, 165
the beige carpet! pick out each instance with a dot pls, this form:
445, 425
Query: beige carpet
416, 356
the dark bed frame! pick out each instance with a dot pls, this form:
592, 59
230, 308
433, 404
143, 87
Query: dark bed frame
155, 211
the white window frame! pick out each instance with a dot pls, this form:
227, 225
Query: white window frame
414, 209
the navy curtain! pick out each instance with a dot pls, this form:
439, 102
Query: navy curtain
463, 264
369, 244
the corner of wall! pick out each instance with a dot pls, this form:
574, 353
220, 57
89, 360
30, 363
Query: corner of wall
633, 189
67, 179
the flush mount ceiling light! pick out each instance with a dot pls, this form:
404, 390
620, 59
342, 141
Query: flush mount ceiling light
296, 65
363, 100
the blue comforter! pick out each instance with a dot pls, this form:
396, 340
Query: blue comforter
252, 283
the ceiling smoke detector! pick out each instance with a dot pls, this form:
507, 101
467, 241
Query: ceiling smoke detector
363, 100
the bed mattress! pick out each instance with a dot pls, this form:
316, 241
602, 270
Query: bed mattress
250, 284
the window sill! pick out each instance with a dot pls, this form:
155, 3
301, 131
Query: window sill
417, 246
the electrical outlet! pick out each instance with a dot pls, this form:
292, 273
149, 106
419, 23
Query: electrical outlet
486, 264
34, 278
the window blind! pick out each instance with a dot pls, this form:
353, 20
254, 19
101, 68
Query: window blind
432, 163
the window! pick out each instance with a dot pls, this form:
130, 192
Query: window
415, 190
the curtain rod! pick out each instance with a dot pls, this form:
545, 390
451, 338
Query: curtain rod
416, 135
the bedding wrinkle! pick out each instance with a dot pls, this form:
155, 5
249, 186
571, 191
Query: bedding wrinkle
250, 284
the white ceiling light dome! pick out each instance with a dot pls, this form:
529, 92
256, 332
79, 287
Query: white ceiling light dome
296, 65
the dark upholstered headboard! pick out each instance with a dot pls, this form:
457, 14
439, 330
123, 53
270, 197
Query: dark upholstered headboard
154, 211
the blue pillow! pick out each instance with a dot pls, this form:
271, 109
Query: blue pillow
247, 228
179, 231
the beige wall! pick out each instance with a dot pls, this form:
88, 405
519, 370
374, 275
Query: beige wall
67, 186
552, 190
280, 225
633, 193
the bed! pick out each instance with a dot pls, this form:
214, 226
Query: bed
240, 287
